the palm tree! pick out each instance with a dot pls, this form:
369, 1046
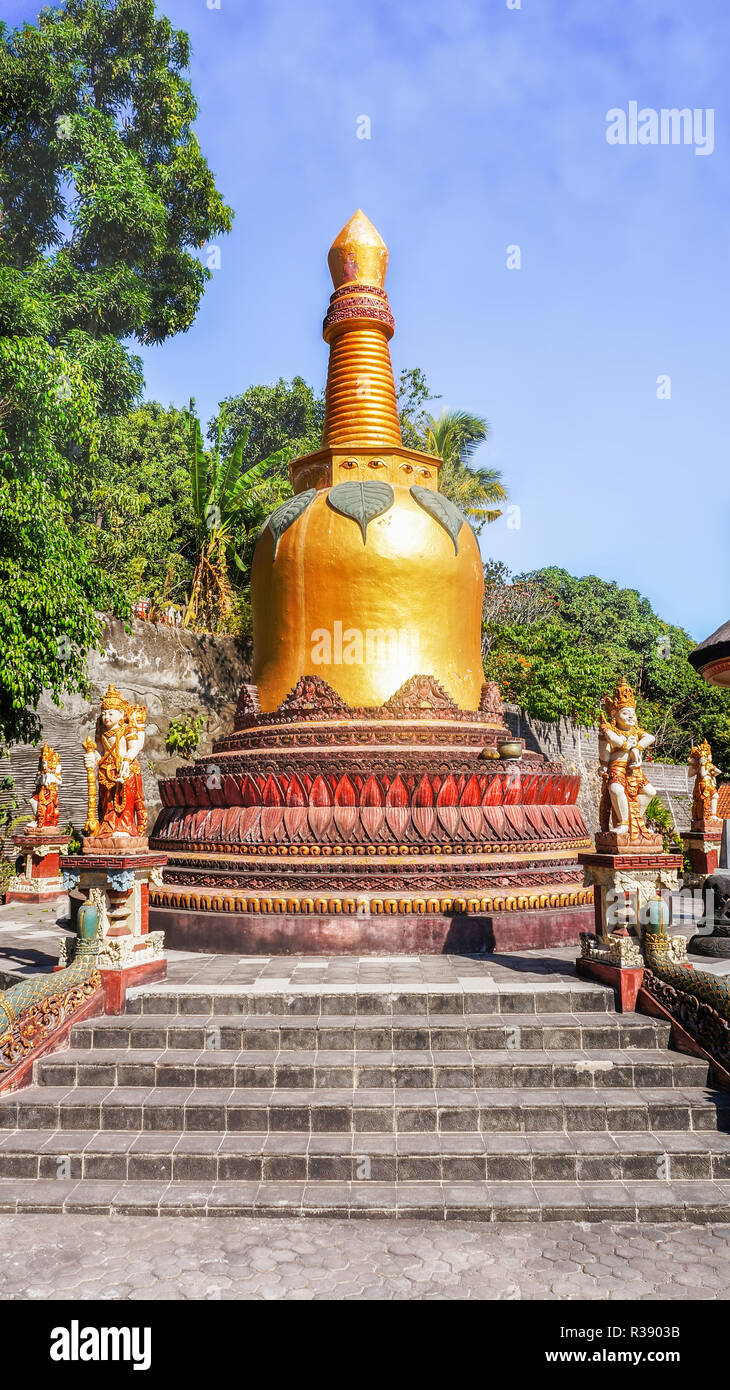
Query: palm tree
454, 437
228, 497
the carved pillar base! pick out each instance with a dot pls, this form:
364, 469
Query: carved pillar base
702, 843
625, 882
118, 885
41, 880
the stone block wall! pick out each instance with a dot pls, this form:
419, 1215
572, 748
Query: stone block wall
172, 672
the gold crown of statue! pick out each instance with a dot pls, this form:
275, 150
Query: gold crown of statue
114, 700
622, 697
49, 755
701, 750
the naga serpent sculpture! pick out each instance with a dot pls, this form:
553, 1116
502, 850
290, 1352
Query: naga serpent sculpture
698, 999
31, 1010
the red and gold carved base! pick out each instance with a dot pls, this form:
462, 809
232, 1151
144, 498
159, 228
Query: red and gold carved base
41, 880
702, 844
392, 829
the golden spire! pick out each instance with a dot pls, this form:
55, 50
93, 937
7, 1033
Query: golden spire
358, 255
360, 400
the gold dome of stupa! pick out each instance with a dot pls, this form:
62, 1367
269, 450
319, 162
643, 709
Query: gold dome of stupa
367, 576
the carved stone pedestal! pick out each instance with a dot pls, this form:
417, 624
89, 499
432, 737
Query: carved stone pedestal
41, 880
615, 842
702, 842
119, 885
624, 882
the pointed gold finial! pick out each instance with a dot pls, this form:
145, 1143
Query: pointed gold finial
358, 256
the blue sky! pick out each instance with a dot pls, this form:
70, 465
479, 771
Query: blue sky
488, 129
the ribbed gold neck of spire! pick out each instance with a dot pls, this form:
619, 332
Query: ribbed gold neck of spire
360, 405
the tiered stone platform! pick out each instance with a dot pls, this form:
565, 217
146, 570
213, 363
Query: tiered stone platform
398, 829
440, 1087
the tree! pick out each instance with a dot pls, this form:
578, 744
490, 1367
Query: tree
592, 633
520, 602
135, 511
413, 394
538, 667
104, 189
50, 588
228, 496
454, 437
284, 419
106, 199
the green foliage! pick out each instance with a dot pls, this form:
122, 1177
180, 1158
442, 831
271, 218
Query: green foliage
284, 420
75, 842
230, 498
539, 667
9, 821
135, 511
50, 589
658, 818
184, 734
454, 437
106, 200
105, 192
597, 633
7, 870
673, 700
413, 394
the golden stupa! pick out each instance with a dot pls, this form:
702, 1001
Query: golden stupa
369, 797
367, 576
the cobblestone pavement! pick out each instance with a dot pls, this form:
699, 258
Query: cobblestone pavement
87, 1257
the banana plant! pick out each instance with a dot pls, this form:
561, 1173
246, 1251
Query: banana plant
226, 494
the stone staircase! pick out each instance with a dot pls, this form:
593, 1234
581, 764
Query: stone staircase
522, 1103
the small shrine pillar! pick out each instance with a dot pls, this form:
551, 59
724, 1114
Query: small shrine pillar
703, 839
629, 867
41, 880
116, 868
40, 842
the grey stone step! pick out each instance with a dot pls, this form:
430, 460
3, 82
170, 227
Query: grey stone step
463, 1157
371, 1032
382, 1110
619, 1201
242, 1001
325, 1069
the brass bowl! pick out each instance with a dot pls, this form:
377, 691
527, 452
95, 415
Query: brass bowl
512, 748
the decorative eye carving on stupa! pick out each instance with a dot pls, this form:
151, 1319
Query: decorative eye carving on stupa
287, 514
349, 463
424, 473
406, 468
362, 502
442, 511
312, 476
377, 463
